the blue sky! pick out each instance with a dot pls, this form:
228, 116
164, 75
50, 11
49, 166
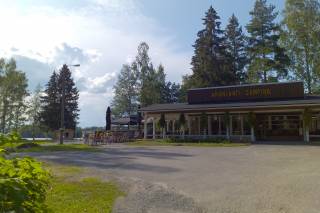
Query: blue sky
102, 35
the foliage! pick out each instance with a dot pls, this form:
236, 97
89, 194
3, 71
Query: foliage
141, 84
13, 91
11, 139
188, 142
23, 185
226, 118
50, 114
252, 119
34, 110
300, 37
51, 110
235, 46
211, 63
203, 121
268, 61
182, 121
125, 100
162, 121
307, 117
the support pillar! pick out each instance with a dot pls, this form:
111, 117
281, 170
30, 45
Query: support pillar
153, 128
230, 124
173, 127
253, 137
219, 120
189, 124
306, 133
242, 128
145, 130
209, 125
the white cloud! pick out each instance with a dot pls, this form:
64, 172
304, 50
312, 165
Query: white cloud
101, 35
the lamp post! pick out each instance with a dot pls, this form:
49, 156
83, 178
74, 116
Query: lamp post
62, 127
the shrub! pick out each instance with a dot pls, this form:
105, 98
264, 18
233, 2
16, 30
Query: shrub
193, 140
23, 185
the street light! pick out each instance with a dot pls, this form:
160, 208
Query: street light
62, 127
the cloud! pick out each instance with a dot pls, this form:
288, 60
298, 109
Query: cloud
101, 35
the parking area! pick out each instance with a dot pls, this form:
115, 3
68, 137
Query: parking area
257, 178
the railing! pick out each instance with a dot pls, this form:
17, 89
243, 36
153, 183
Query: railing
109, 137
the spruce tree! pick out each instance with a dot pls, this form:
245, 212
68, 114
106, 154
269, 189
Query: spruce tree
211, 63
268, 61
51, 101
50, 114
236, 44
71, 110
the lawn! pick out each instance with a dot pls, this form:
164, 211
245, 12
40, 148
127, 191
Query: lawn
58, 147
48, 147
192, 144
70, 194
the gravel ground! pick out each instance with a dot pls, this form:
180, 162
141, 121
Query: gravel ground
258, 178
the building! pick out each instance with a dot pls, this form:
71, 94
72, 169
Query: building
255, 112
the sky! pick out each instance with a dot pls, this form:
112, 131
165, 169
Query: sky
102, 35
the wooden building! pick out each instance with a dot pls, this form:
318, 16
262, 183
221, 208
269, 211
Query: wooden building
255, 112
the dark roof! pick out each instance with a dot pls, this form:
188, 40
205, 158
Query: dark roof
133, 120
306, 101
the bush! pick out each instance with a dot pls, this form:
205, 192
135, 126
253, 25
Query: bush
23, 185
193, 140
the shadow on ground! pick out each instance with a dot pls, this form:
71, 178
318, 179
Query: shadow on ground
113, 158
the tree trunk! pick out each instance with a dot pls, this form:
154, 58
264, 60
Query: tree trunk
4, 115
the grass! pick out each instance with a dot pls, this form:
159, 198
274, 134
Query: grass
192, 144
69, 194
58, 147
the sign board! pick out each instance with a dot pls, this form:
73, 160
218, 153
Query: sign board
250, 92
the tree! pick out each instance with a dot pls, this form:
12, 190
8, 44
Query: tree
300, 37
162, 124
182, 123
13, 91
211, 62
268, 61
204, 122
235, 46
50, 113
51, 100
71, 110
108, 119
34, 110
125, 100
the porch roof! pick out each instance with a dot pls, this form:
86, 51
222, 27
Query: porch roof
307, 101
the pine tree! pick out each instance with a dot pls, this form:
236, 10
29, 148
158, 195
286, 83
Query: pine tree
236, 44
211, 63
268, 61
71, 113
50, 113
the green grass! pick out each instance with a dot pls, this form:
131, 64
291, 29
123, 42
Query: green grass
69, 194
58, 147
88, 195
166, 143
